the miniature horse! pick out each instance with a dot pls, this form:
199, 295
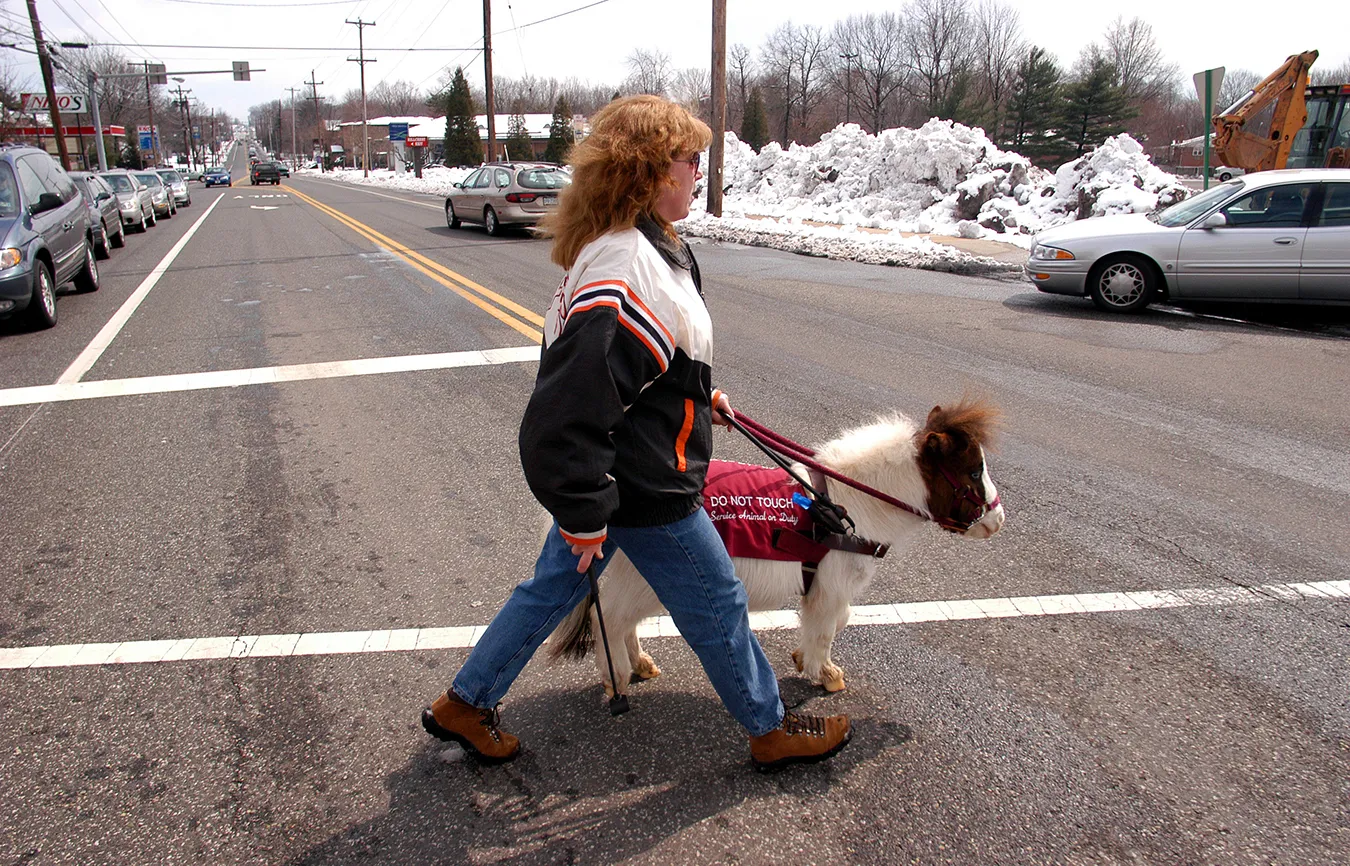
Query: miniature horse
939, 467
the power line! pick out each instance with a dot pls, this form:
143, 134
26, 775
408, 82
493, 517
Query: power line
259, 5
264, 47
120, 25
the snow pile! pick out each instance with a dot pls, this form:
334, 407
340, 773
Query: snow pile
435, 180
942, 178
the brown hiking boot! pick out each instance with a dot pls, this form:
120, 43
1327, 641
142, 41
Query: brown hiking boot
801, 739
450, 718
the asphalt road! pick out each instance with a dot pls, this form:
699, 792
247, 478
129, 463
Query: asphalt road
1167, 451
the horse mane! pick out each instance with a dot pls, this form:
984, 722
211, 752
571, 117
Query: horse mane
974, 418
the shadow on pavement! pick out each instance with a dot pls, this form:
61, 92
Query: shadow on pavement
587, 788
1327, 321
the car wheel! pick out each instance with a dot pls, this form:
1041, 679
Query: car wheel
101, 245
231, 183
490, 223
1225, 176
1123, 284
152, 219
119, 240
451, 221
188, 203
42, 308
87, 279
168, 214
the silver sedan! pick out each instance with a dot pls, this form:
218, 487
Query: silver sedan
1271, 236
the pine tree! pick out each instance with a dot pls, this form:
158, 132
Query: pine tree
131, 151
755, 125
1093, 108
560, 134
1033, 110
519, 145
463, 146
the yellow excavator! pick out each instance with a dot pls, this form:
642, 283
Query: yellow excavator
1284, 123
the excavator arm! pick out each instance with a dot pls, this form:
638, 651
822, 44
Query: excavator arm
1253, 151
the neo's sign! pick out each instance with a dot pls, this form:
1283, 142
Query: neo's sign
66, 103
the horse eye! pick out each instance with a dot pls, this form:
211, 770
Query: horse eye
978, 474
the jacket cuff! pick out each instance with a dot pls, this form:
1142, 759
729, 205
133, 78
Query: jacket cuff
584, 538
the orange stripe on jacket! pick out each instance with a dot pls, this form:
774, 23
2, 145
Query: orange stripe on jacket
683, 438
656, 320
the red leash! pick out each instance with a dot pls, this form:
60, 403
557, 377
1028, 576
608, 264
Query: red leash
804, 455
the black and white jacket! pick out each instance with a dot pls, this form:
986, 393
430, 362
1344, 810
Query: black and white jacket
619, 427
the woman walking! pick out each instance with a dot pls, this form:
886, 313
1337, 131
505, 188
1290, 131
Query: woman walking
616, 439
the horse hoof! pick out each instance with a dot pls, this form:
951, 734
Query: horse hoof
644, 669
833, 684
797, 660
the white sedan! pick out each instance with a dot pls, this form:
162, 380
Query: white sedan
1271, 236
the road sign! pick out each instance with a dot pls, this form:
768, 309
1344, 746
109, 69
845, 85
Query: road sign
1207, 85
398, 131
240, 70
66, 103
158, 73
416, 141
143, 133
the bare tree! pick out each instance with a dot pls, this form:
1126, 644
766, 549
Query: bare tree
1236, 83
796, 63
120, 100
692, 88
1335, 75
1141, 70
872, 49
397, 98
740, 76
998, 49
648, 72
938, 44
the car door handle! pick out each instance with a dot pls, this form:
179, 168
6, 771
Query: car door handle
1286, 242
65, 227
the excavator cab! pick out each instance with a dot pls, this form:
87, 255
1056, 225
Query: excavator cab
1324, 140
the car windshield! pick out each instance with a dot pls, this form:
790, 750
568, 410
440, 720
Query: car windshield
543, 178
216, 170
9, 195
119, 182
171, 176
150, 179
1184, 212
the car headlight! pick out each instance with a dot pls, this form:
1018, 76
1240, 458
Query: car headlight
1041, 251
9, 257
129, 205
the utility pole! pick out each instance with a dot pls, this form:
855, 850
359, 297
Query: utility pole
318, 118
187, 119
848, 85
719, 106
98, 122
487, 79
361, 49
45, 62
150, 102
295, 157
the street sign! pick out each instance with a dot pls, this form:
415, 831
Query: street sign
240, 70
66, 103
1207, 85
158, 73
398, 131
416, 141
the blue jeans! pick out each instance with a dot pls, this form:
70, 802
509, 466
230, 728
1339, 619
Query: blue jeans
687, 566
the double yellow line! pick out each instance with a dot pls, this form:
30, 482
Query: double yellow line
524, 320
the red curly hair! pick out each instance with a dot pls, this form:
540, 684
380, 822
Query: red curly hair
620, 170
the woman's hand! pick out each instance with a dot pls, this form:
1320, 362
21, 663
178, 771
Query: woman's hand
588, 552
721, 409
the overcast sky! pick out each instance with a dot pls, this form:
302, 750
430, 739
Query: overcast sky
591, 43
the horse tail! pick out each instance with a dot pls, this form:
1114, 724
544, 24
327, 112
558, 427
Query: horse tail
572, 639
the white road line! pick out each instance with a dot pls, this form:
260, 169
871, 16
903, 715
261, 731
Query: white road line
360, 188
104, 337
60, 393
463, 637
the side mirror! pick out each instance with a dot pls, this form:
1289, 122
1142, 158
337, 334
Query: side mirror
459, 185
103, 196
1214, 221
47, 201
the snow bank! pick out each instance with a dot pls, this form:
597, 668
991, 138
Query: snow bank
944, 178
435, 180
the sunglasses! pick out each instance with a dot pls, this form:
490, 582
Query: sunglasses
693, 161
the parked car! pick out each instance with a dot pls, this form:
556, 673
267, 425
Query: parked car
1226, 172
44, 235
264, 172
1269, 236
506, 194
216, 176
160, 195
133, 198
105, 217
283, 169
177, 184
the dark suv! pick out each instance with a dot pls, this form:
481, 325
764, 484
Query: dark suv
45, 237
264, 172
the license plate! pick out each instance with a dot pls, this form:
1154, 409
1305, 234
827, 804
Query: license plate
548, 199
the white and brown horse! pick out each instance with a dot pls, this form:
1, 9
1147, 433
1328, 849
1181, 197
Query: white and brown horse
939, 467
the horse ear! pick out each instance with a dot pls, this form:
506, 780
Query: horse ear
933, 413
937, 444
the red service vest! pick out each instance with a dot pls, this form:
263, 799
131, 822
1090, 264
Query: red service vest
753, 510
